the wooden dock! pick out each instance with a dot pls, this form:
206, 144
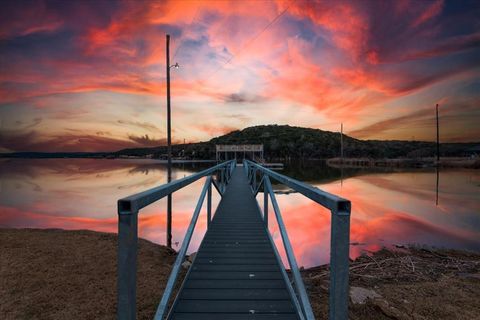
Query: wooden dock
236, 273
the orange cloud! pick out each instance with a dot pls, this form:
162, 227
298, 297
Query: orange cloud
327, 62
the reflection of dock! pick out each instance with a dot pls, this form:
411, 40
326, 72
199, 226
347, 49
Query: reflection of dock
237, 272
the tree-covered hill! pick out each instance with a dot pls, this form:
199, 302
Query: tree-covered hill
283, 142
286, 142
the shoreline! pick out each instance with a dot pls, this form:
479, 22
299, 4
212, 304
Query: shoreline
62, 274
445, 162
338, 163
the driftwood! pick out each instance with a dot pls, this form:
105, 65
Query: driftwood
406, 265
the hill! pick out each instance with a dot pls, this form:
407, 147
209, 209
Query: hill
284, 142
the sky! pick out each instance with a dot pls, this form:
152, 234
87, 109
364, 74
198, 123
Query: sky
91, 75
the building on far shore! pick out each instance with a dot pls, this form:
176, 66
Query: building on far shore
244, 151
474, 152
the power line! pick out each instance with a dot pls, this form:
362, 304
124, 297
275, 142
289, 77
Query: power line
249, 42
191, 23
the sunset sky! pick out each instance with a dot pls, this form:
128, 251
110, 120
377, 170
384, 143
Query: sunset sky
90, 75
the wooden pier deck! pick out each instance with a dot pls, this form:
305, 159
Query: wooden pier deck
235, 274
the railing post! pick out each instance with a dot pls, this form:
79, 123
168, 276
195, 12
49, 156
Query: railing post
209, 204
169, 220
222, 179
265, 203
127, 264
339, 264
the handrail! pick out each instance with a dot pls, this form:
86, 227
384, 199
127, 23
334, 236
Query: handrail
339, 240
140, 200
163, 305
297, 278
328, 200
128, 234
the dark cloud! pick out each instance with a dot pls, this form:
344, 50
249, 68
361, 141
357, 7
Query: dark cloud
71, 142
447, 46
242, 98
146, 141
103, 133
34, 123
24, 17
423, 30
141, 125
388, 124
466, 113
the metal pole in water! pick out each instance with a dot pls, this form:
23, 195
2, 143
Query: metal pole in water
438, 178
341, 142
438, 136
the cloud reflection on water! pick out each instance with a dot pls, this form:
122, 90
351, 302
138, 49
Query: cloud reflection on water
387, 208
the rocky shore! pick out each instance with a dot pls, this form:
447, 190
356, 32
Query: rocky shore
408, 283
58, 274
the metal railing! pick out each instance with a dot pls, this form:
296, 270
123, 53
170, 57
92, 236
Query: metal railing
339, 239
128, 209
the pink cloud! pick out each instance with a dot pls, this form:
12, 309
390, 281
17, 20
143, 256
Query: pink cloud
344, 60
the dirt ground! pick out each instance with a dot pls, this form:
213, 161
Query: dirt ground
411, 283
57, 274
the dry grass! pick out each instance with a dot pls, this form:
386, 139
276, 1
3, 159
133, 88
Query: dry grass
414, 283
56, 274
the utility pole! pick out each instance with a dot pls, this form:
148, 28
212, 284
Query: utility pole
438, 137
341, 141
169, 151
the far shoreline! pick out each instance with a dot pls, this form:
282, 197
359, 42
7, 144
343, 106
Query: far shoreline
444, 162
339, 163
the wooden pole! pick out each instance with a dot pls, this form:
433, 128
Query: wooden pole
169, 146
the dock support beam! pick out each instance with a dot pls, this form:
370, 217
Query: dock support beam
127, 265
339, 265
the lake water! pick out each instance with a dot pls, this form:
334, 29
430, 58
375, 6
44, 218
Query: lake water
388, 207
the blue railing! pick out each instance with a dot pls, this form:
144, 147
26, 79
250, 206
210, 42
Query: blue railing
128, 209
339, 240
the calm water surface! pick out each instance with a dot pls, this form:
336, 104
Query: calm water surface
388, 207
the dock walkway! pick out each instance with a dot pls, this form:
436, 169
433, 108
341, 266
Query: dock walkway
236, 273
